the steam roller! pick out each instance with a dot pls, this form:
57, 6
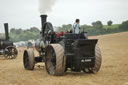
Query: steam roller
63, 52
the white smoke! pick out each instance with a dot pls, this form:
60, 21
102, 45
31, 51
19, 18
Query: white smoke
46, 6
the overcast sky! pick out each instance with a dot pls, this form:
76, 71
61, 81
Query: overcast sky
25, 13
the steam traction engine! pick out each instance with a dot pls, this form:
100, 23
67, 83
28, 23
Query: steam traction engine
74, 52
6, 46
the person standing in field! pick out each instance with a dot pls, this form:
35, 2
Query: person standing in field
76, 27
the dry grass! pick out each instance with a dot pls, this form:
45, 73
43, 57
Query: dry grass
114, 70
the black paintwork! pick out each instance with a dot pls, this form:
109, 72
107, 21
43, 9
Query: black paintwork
5, 42
78, 49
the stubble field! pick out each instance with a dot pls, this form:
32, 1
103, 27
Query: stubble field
114, 69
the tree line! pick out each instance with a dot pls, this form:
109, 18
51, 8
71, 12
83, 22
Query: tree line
97, 28
24, 35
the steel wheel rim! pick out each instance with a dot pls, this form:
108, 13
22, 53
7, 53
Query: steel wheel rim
51, 61
26, 60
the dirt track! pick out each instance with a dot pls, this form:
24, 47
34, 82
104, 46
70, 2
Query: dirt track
114, 70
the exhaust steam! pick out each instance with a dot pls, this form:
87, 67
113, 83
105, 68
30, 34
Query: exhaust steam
46, 6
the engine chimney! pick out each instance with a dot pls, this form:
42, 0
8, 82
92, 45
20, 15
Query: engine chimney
43, 20
6, 31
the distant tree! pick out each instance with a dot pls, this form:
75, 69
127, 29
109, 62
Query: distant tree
109, 23
64, 28
16, 31
124, 25
85, 28
93, 24
98, 25
34, 29
12, 30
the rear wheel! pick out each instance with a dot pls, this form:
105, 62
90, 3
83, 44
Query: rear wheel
55, 59
29, 59
98, 61
10, 52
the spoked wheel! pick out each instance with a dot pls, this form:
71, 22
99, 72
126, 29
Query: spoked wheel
55, 59
98, 61
29, 59
10, 52
48, 32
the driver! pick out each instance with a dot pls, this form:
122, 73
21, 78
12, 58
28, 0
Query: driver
76, 27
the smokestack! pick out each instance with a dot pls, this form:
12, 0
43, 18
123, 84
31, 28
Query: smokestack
6, 31
43, 20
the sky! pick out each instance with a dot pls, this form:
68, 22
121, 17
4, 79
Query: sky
25, 13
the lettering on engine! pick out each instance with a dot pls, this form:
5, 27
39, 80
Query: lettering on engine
86, 60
